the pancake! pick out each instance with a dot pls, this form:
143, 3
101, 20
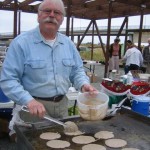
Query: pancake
93, 147
82, 139
104, 135
50, 136
71, 127
115, 143
58, 144
74, 133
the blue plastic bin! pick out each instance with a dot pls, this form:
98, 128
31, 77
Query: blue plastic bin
141, 105
3, 97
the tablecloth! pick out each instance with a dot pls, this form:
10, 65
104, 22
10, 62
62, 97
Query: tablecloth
118, 88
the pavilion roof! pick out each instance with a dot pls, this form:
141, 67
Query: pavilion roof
87, 9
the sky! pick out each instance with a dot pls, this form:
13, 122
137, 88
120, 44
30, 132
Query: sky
29, 21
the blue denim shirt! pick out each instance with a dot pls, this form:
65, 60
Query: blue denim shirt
33, 68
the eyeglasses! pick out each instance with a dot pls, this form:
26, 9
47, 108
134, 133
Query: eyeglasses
48, 11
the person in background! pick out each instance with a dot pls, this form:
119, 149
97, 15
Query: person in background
46, 64
129, 45
115, 55
146, 56
133, 57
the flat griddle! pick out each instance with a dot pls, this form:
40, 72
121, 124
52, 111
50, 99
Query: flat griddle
126, 125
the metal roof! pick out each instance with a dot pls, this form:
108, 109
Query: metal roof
87, 9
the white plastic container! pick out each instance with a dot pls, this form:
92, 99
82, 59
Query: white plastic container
92, 107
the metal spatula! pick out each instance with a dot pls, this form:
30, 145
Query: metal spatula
67, 127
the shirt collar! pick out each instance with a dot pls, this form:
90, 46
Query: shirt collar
38, 37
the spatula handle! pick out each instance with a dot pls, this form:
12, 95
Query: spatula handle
24, 108
54, 120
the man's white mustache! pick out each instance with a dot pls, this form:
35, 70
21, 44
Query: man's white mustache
51, 20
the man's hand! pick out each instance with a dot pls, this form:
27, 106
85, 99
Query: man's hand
89, 88
36, 108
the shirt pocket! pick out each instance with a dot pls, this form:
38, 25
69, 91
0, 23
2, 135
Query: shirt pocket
37, 64
36, 70
68, 64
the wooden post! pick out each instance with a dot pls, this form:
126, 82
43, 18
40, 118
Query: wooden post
141, 25
108, 39
15, 17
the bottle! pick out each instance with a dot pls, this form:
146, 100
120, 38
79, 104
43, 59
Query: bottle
113, 74
129, 78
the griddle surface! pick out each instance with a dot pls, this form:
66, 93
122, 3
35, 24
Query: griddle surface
129, 128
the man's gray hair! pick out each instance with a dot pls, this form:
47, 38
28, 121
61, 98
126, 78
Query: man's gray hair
57, 2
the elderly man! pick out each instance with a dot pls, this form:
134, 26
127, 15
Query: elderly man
146, 56
42, 64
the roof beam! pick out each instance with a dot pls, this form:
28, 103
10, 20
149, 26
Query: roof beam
6, 2
97, 9
136, 3
26, 2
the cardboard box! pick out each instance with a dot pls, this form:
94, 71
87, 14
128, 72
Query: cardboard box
92, 76
4, 126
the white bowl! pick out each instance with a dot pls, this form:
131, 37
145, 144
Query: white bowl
92, 107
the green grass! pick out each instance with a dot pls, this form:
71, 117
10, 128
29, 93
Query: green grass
97, 55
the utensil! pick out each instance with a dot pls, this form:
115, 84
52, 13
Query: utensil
113, 112
67, 127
